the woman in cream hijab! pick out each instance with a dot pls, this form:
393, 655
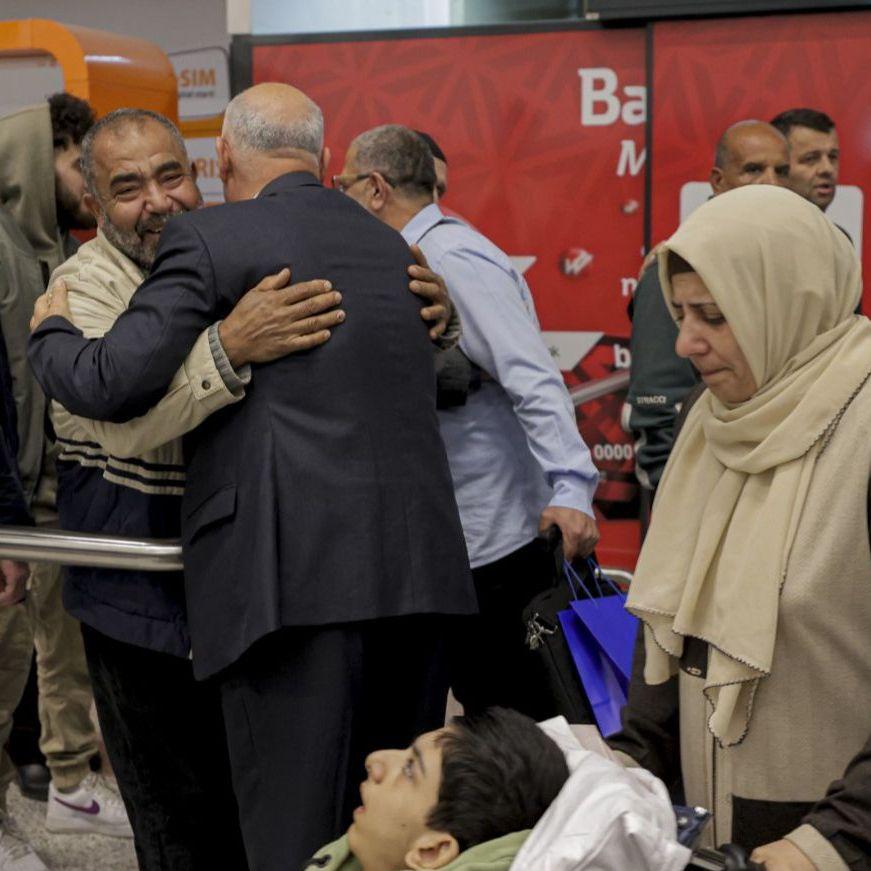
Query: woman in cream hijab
754, 583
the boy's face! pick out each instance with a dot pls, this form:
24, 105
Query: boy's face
390, 829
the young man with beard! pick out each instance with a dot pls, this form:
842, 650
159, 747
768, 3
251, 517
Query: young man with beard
164, 731
41, 190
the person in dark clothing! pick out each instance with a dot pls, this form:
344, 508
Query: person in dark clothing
13, 505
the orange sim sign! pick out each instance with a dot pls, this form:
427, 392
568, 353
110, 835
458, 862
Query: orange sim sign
106, 69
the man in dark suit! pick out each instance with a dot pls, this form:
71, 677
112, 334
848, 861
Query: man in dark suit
323, 552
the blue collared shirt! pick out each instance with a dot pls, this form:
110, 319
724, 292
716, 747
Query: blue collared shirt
514, 448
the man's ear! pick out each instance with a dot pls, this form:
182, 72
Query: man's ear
432, 850
194, 172
380, 191
716, 179
324, 163
224, 160
92, 204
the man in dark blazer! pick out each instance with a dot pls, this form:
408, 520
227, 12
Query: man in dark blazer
324, 559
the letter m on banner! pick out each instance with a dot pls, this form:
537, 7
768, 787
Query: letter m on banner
630, 159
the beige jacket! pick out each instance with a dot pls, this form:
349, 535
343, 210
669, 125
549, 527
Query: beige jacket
813, 714
144, 453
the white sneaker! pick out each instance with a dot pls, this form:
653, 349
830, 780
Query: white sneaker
16, 854
93, 807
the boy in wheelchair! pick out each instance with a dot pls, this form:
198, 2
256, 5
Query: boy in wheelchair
496, 791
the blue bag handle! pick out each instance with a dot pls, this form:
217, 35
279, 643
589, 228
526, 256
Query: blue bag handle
572, 577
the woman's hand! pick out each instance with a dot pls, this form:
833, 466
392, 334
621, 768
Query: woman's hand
782, 856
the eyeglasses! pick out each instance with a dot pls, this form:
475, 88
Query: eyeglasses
344, 182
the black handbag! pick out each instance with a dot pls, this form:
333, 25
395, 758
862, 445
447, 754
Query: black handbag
561, 689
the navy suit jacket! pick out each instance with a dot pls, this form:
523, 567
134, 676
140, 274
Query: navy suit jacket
325, 496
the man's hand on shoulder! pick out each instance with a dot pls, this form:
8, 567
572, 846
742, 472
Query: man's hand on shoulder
432, 288
580, 532
276, 318
13, 582
52, 302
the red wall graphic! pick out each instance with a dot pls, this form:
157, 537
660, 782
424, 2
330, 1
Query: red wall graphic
544, 135
709, 74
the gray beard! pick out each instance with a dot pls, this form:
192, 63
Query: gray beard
130, 243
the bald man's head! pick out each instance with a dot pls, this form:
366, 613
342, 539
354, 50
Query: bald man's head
269, 130
274, 119
750, 152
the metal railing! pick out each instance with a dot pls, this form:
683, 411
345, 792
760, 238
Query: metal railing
621, 576
600, 387
41, 544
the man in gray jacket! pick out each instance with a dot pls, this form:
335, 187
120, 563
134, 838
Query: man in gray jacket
41, 191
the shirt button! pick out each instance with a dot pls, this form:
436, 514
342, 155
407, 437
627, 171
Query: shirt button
206, 385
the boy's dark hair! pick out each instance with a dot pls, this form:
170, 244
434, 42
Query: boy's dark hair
433, 146
71, 118
500, 773
812, 118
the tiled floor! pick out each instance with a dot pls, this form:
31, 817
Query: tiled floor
69, 852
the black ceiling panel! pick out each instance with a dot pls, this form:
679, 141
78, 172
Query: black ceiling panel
647, 9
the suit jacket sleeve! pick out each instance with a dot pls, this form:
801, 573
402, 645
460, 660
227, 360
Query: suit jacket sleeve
121, 375
13, 503
196, 390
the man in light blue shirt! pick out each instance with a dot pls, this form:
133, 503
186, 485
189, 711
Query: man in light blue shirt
517, 460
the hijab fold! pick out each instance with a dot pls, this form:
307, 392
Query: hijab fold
732, 495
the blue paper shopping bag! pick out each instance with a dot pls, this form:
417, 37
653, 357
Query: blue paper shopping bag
600, 634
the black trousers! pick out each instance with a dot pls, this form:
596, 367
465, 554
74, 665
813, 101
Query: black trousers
490, 663
303, 708
164, 734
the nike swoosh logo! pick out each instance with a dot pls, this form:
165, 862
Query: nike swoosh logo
92, 810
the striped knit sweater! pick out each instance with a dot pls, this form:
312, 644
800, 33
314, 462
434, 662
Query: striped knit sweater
128, 479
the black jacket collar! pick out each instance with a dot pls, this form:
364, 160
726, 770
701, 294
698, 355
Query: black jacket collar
289, 181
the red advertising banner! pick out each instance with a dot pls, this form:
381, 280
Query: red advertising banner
544, 134
710, 74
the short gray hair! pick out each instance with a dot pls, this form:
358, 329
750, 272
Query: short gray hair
251, 129
115, 122
399, 154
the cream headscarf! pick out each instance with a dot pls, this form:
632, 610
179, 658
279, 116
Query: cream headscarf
712, 566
